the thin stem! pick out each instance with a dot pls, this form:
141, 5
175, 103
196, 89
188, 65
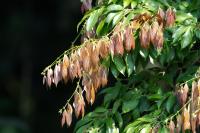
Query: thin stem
181, 108
190, 80
75, 91
58, 58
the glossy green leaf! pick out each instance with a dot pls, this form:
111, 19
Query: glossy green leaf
110, 17
83, 19
106, 62
170, 102
116, 105
114, 7
133, 4
181, 16
114, 70
127, 106
126, 3
119, 119
178, 33
129, 17
144, 104
146, 129
100, 27
119, 63
187, 38
130, 66
117, 18
83, 128
110, 122
197, 33
111, 95
144, 53
100, 110
92, 20
82, 122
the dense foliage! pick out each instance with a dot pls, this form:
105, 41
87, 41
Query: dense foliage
152, 49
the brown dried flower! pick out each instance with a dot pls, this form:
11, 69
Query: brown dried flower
64, 68
171, 126
145, 35
118, 44
170, 17
160, 15
153, 32
49, 77
179, 122
129, 39
186, 119
103, 48
57, 74
79, 104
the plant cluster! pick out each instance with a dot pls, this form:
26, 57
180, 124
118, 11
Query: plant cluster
151, 48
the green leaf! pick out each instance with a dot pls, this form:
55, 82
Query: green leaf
144, 104
92, 20
114, 70
100, 110
85, 121
126, 3
100, 27
170, 102
155, 97
119, 119
177, 34
187, 38
129, 63
127, 106
163, 130
83, 19
106, 62
133, 4
110, 17
136, 113
146, 129
181, 16
109, 122
117, 18
116, 105
197, 33
144, 53
130, 16
110, 1
119, 63
188, 74
114, 7
111, 95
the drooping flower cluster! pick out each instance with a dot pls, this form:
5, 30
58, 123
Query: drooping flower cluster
189, 117
85, 61
152, 31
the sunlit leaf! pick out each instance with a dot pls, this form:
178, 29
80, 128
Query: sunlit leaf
129, 64
187, 38
126, 3
92, 20
119, 63
117, 18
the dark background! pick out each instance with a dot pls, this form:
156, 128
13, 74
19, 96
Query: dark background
32, 34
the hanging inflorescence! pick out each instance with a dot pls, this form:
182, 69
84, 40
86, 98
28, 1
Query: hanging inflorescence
188, 117
84, 62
